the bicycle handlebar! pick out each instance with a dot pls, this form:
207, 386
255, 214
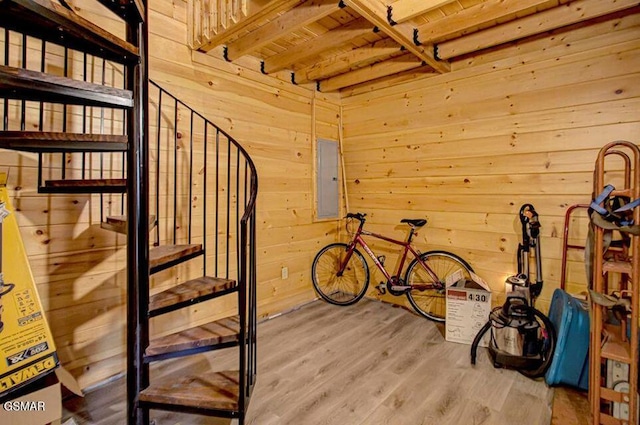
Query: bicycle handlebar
357, 216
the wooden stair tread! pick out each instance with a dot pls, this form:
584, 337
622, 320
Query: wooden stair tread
86, 182
84, 186
623, 192
118, 223
18, 83
610, 395
41, 141
53, 22
168, 253
190, 291
210, 391
219, 332
129, 10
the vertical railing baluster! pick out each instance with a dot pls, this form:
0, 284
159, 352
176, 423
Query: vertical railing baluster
158, 156
124, 154
101, 154
246, 181
84, 119
23, 107
238, 210
254, 295
5, 117
43, 59
103, 80
204, 196
175, 170
217, 189
190, 173
242, 313
64, 114
228, 204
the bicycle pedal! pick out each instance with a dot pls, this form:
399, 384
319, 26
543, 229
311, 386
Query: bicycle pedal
381, 288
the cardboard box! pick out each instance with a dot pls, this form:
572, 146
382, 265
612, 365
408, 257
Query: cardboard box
41, 406
468, 308
27, 350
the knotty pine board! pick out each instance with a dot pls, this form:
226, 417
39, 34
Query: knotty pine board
470, 147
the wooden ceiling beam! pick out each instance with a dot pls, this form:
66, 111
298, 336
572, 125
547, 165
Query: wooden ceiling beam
558, 17
376, 12
313, 47
403, 10
343, 62
474, 16
270, 11
304, 14
378, 70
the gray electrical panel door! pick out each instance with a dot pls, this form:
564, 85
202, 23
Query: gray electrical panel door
327, 181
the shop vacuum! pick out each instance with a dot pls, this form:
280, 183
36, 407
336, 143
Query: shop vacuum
522, 337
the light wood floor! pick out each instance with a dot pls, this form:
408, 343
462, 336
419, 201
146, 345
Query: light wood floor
370, 363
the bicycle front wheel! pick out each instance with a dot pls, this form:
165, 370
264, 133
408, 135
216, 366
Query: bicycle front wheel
346, 288
427, 294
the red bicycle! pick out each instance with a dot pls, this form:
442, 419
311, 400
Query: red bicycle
340, 273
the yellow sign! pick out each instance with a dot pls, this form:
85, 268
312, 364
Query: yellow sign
27, 350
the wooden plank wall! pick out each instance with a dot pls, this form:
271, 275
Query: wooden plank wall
80, 268
467, 149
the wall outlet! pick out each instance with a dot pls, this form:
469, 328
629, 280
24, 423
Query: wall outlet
285, 272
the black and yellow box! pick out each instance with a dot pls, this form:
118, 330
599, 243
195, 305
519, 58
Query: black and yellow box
27, 351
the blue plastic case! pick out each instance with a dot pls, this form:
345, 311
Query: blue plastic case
570, 363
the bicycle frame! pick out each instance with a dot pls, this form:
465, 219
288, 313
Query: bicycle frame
407, 247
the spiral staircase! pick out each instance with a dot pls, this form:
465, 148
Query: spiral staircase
182, 190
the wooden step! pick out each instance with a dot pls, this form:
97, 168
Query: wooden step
41, 141
208, 393
617, 266
166, 256
188, 293
84, 186
623, 192
118, 223
18, 83
614, 347
132, 11
50, 21
219, 334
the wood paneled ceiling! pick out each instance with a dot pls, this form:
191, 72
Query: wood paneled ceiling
344, 43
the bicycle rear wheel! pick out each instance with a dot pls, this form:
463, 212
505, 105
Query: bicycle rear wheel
427, 295
347, 288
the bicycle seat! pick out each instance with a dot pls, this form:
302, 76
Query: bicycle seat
418, 222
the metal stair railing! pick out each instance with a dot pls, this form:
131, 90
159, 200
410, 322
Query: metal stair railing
197, 154
21, 115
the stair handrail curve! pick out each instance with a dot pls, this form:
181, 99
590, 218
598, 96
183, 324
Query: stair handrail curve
250, 206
